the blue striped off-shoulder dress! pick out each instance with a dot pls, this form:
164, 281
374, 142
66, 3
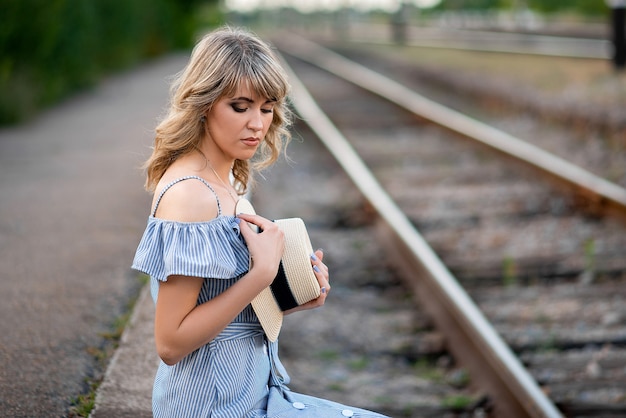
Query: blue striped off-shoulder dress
238, 374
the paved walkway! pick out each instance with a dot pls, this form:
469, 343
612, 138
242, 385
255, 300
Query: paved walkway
72, 210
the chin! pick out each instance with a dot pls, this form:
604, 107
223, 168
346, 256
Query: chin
246, 155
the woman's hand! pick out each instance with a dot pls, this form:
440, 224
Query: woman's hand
266, 247
321, 273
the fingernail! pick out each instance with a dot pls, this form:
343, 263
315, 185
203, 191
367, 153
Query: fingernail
237, 220
317, 269
313, 257
323, 290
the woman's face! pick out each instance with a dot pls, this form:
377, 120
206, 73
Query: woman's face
238, 124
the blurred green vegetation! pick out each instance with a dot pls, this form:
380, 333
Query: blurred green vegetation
51, 48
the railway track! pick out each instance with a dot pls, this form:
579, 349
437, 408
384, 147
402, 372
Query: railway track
541, 269
509, 42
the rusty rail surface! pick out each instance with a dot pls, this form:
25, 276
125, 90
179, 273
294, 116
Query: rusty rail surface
598, 193
471, 338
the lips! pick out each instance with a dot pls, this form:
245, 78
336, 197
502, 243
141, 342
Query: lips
251, 142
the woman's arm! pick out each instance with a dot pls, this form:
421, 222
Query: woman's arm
182, 326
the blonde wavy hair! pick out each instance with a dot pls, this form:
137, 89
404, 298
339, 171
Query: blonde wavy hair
219, 63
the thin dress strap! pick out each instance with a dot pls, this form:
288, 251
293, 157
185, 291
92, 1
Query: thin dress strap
166, 188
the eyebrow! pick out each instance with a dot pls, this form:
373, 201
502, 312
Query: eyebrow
249, 100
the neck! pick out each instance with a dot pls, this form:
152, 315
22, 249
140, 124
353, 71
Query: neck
222, 175
223, 168
222, 178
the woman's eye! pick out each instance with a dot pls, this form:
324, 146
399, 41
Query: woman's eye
267, 110
238, 109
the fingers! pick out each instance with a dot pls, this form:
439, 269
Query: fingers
321, 274
251, 229
321, 271
319, 253
316, 261
255, 222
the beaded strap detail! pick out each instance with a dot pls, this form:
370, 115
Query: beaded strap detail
166, 188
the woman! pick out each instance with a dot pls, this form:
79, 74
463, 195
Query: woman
227, 117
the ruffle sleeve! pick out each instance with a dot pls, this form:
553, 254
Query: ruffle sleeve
213, 249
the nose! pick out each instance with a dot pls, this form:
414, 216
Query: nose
255, 123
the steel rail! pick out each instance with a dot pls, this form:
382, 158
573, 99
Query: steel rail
469, 45
493, 41
599, 192
471, 338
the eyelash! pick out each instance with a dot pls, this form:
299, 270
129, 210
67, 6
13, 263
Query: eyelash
241, 110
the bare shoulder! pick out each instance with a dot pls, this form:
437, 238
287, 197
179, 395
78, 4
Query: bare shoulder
187, 201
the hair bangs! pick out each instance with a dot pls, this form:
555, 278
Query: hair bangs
262, 78
268, 83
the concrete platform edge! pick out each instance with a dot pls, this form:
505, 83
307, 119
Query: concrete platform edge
127, 385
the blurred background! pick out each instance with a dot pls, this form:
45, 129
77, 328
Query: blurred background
50, 49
